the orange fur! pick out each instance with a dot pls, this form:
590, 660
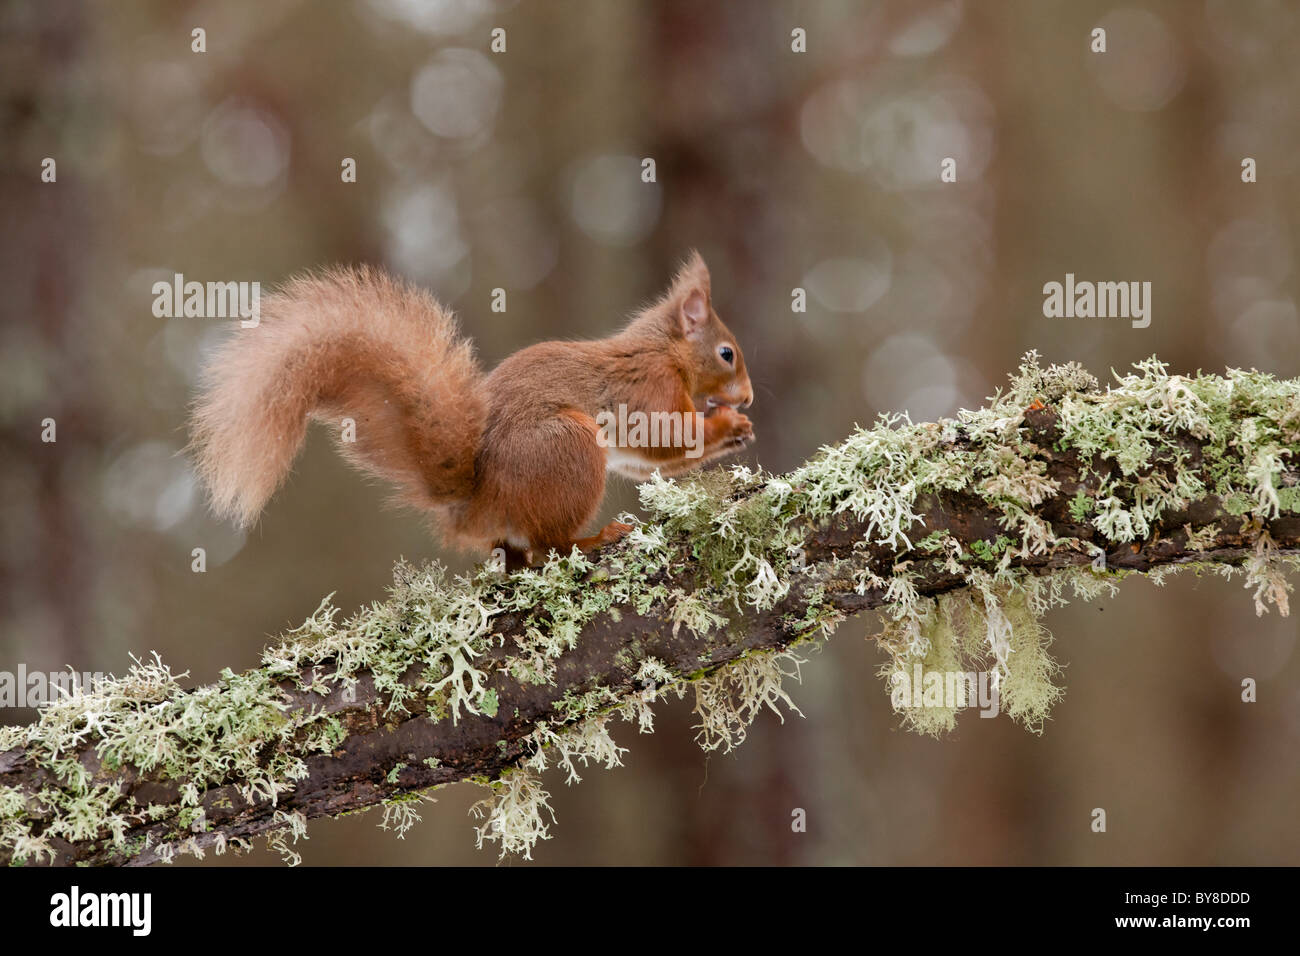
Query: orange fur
509, 459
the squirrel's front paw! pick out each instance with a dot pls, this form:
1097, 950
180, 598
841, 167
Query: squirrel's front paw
747, 437
740, 431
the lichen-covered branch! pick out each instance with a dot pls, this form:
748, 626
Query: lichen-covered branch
962, 533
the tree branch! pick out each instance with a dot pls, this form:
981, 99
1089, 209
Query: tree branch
467, 679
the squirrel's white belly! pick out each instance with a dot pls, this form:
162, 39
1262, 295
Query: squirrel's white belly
629, 464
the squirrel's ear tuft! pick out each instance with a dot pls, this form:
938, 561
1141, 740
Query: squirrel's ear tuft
693, 274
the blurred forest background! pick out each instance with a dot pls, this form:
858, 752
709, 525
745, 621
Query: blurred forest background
520, 170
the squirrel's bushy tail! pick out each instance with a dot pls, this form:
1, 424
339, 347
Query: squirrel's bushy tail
346, 344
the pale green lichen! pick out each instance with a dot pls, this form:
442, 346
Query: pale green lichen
653, 680
728, 700
289, 829
1201, 539
400, 813
587, 741
515, 813
989, 633
652, 673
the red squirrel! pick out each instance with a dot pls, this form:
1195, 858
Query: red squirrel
513, 459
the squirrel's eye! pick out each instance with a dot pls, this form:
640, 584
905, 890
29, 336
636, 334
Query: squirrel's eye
728, 356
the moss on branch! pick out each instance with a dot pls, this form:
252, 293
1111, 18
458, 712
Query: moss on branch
963, 533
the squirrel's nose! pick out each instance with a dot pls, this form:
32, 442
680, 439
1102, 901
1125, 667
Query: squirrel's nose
737, 396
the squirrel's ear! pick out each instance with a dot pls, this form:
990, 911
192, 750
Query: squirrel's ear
691, 294
693, 311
